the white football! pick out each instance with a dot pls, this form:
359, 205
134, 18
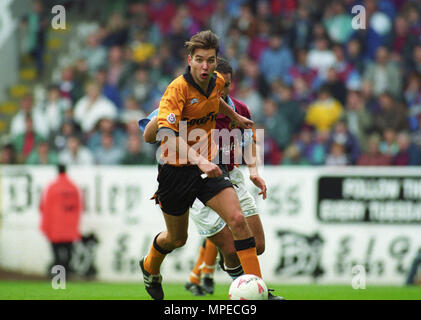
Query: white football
248, 287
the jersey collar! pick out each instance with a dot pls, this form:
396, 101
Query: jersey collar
212, 83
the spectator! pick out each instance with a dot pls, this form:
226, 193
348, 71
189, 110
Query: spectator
107, 126
402, 157
301, 70
338, 22
26, 142
42, 155
118, 68
335, 85
59, 141
388, 145
372, 156
251, 98
161, 13
318, 151
135, 154
61, 206
131, 110
260, 41
37, 27
75, 153
140, 87
383, 74
108, 153
412, 97
220, 20
391, 115
415, 63
18, 123
94, 53
336, 155
341, 135
142, 49
93, 107
8, 155
69, 87
354, 55
117, 32
276, 125
324, 112
53, 110
111, 92
357, 118
321, 58
300, 33
292, 156
288, 108
275, 60
343, 68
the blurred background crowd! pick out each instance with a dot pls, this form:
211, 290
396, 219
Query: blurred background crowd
325, 93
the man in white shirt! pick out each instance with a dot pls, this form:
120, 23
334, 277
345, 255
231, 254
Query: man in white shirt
93, 107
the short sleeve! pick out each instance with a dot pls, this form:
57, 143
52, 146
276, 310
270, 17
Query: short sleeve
171, 107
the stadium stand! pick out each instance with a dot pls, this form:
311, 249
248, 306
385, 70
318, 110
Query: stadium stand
295, 61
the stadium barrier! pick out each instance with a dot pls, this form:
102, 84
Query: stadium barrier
324, 225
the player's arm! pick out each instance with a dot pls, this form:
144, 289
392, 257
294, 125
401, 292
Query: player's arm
252, 158
243, 122
150, 130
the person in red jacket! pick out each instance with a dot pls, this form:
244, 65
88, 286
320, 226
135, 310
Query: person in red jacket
61, 206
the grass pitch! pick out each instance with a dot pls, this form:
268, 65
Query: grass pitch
42, 290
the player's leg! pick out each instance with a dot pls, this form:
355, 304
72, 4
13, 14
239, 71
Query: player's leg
193, 285
256, 228
175, 195
229, 261
209, 262
174, 237
227, 205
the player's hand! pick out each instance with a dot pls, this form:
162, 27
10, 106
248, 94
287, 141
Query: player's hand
210, 169
244, 122
260, 183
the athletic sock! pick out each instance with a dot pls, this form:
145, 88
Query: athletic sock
235, 272
247, 254
195, 273
209, 259
156, 255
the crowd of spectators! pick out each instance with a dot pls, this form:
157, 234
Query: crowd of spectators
325, 93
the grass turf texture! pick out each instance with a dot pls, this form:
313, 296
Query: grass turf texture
39, 290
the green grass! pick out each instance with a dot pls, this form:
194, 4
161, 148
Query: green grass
38, 290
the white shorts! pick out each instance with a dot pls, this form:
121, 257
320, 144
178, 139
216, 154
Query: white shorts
208, 222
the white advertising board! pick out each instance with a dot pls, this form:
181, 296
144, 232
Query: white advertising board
319, 223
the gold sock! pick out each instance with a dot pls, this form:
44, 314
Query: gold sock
209, 258
195, 274
153, 260
247, 254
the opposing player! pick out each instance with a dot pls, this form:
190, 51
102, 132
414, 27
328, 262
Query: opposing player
193, 100
207, 221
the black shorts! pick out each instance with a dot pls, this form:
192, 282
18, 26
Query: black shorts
178, 187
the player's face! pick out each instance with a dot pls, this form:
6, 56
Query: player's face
202, 65
227, 88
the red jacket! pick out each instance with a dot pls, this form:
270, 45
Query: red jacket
61, 206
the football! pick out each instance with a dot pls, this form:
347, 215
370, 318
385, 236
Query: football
248, 287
